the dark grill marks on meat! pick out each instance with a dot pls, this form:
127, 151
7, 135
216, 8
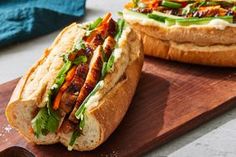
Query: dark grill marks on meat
98, 40
210, 11
143, 10
171, 11
70, 95
108, 46
112, 27
67, 127
92, 79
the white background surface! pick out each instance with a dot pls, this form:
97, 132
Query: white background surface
216, 138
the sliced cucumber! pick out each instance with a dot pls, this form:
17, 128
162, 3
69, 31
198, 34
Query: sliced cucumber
169, 20
166, 15
157, 17
170, 4
133, 13
202, 21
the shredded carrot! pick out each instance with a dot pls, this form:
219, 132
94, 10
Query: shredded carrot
69, 77
106, 19
149, 4
70, 74
154, 3
102, 28
129, 5
64, 86
104, 25
57, 100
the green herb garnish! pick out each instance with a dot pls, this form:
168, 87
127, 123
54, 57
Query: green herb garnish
47, 120
80, 59
44, 123
95, 24
110, 63
74, 136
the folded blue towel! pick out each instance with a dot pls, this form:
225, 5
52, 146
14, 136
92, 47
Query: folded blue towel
25, 19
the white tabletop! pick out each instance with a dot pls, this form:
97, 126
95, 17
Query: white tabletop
216, 138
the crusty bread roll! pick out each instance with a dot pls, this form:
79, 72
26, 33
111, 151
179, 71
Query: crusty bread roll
106, 108
209, 44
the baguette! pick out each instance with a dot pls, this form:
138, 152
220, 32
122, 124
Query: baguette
104, 109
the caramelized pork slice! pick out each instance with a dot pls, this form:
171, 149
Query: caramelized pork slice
108, 46
70, 95
92, 79
96, 40
67, 127
112, 28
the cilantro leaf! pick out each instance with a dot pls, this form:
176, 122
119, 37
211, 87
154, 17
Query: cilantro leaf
39, 123
95, 24
45, 122
80, 59
52, 124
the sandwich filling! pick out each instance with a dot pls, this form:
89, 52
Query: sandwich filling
184, 13
85, 66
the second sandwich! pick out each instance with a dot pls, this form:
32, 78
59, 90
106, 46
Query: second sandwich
197, 31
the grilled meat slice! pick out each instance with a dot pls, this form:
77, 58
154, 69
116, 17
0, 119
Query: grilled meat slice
210, 11
97, 40
67, 127
70, 95
112, 28
92, 79
108, 46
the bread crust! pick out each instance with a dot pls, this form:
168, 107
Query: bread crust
104, 117
202, 35
114, 105
216, 55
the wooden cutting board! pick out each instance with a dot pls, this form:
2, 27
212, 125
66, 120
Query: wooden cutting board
171, 99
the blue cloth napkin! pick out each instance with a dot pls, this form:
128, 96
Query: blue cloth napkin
25, 19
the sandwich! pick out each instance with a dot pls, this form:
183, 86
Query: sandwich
198, 32
80, 89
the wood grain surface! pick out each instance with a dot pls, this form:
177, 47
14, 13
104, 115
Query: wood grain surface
171, 99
